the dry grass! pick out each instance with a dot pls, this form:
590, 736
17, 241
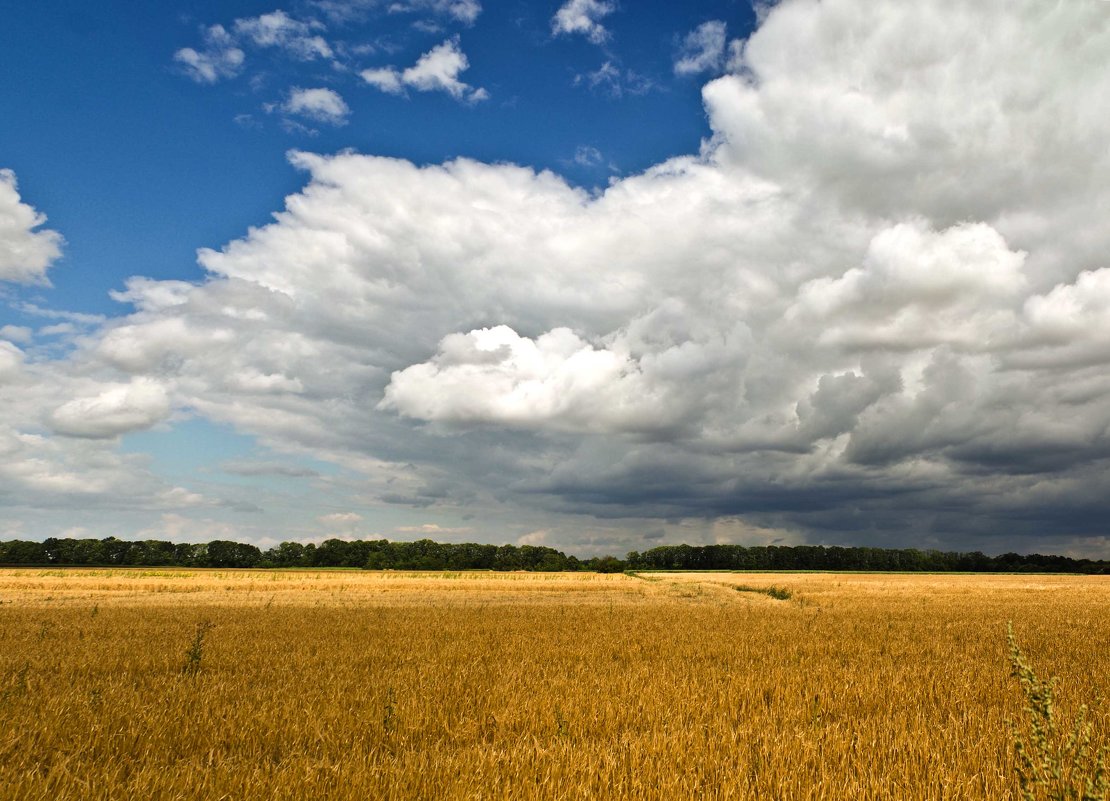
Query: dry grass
511, 686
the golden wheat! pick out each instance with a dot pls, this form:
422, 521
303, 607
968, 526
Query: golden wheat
180, 684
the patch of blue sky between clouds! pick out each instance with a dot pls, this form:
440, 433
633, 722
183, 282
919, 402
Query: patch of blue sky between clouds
184, 450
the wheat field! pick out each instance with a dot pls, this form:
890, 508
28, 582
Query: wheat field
192, 684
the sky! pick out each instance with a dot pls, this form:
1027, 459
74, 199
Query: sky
596, 275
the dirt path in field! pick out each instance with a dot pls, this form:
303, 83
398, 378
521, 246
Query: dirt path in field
721, 586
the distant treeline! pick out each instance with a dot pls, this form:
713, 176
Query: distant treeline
819, 557
370, 554
429, 555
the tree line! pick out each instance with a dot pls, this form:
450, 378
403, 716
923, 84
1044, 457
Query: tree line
820, 557
369, 554
429, 555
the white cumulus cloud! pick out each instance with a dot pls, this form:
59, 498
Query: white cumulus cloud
321, 105
437, 70
113, 410
465, 11
219, 58
919, 288
702, 50
493, 375
583, 17
386, 79
278, 29
26, 249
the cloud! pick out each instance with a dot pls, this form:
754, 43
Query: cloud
435, 71
588, 156
873, 308
321, 105
1066, 326
734, 60
219, 58
277, 29
246, 467
11, 360
558, 380
176, 527
114, 410
221, 55
465, 11
582, 17
386, 79
433, 529
25, 253
77, 318
65, 475
919, 288
16, 333
344, 11
613, 81
438, 70
340, 518
702, 50
538, 538
59, 438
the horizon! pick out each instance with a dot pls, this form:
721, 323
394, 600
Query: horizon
584, 559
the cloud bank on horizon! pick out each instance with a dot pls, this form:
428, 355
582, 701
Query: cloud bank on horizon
875, 307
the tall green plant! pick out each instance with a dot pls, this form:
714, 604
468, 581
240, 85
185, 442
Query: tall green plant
195, 652
1053, 763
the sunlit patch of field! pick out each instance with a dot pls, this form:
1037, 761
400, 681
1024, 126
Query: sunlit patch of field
349, 684
315, 587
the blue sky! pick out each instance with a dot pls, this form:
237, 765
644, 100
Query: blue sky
102, 122
591, 274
